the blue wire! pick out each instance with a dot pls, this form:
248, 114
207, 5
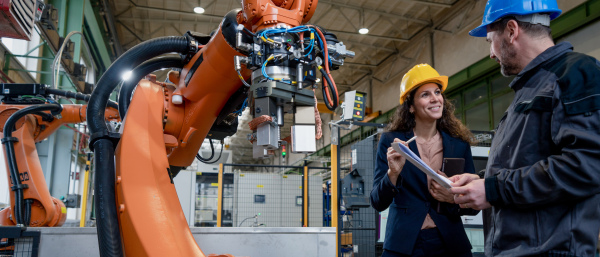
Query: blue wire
312, 43
298, 29
239, 112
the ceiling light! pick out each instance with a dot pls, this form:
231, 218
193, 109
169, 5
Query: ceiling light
363, 31
199, 9
126, 75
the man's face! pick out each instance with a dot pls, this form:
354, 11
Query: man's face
503, 52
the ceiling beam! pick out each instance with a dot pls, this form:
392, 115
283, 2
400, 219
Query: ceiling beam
196, 22
404, 40
161, 20
110, 22
360, 64
390, 15
354, 43
130, 31
429, 3
450, 14
148, 8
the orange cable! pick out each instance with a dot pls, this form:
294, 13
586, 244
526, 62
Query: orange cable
326, 66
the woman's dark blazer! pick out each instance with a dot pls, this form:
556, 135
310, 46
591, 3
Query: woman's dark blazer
410, 201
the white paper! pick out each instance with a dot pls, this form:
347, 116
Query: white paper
415, 160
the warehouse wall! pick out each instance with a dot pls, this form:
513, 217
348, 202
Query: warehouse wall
452, 53
453, 50
586, 40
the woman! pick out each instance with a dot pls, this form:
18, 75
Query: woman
423, 219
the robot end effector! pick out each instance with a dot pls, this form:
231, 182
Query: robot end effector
287, 64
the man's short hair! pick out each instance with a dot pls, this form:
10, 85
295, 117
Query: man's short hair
534, 30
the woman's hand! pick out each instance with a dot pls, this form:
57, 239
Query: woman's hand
395, 162
439, 192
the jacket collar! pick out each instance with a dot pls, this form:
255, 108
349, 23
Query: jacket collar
448, 142
549, 54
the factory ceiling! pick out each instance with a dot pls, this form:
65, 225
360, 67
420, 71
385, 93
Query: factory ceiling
392, 24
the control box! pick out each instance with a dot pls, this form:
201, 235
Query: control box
354, 106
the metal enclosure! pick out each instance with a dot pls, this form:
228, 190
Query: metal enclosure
251, 242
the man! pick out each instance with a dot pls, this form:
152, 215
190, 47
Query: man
542, 179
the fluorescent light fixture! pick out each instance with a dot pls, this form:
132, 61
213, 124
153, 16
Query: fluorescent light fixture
199, 10
363, 31
126, 75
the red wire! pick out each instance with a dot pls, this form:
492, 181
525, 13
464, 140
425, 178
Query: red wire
326, 57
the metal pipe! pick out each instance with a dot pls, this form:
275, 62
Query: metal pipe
110, 21
272, 166
84, 200
75, 187
299, 74
404, 40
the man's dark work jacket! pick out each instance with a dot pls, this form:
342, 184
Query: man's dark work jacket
543, 173
410, 201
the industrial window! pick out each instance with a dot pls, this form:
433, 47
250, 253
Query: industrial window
24, 52
482, 103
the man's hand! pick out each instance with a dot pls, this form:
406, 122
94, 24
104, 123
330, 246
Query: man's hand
439, 192
462, 179
471, 194
395, 162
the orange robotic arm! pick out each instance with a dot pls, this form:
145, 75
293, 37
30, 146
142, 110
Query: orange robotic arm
42, 209
167, 123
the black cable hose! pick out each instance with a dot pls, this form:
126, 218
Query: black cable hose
12, 166
207, 162
28, 204
127, 61
216, 160
109, 237
327, 104
330, 106
212, 153
45, 116
69, 94
9, 127
138, 73
76, 96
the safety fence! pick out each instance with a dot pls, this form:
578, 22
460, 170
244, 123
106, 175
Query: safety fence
360, 233
17, 241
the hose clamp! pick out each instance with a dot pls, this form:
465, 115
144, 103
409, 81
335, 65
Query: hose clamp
4, 140
193, 49
111, 136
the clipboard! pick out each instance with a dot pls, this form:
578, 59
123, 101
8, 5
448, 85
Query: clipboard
415, 160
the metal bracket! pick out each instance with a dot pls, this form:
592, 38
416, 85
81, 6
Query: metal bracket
335, 136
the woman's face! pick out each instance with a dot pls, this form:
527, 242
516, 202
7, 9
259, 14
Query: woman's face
428, 103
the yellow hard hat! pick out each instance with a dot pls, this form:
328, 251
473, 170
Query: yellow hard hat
419, 75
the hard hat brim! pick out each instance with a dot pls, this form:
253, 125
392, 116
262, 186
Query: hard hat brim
480, 31
441, 80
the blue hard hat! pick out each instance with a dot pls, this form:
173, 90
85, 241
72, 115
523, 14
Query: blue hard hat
496, 9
